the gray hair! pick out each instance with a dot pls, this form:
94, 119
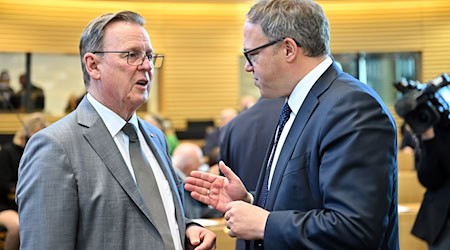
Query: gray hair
92, 36
302, 20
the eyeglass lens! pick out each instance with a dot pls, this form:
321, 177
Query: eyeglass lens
138, 59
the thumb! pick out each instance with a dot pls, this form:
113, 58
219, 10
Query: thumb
227, 172
194, 239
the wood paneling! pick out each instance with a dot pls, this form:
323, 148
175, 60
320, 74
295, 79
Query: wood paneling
202, 40
202, 43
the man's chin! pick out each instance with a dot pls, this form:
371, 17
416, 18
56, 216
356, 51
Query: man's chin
263, 93
137, 102
268, 94
141, 102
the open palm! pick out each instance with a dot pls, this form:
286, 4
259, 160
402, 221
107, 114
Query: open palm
214, 190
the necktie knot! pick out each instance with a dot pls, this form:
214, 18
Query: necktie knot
130, 131
284, 116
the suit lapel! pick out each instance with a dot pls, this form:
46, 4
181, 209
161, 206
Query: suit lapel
301, 119
296, 130
96, 133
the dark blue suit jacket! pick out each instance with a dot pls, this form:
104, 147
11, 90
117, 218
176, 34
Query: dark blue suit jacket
335, 183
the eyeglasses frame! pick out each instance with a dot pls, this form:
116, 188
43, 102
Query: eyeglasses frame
247, 52
151, 57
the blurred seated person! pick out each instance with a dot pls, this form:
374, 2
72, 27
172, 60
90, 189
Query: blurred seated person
10, 155
213, 161
5, 90
186, 158
409, 140
212, 138
248, 136
73, 102
37, 98
246, 102
166, 127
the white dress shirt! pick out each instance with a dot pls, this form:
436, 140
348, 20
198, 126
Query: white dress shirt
114, 124
295, 101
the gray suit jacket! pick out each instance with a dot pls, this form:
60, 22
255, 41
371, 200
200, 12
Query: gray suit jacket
335, 182
76, 192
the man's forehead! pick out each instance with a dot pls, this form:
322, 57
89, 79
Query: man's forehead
130, 35
253, 34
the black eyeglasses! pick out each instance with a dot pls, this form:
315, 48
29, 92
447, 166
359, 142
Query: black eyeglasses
135, 58
249, 54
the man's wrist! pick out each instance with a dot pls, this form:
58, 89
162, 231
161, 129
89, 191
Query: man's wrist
249, 198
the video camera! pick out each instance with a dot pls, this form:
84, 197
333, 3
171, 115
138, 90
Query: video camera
423, 105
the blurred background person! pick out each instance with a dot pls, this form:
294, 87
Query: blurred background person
409, 140
212, 160
166, 127
5, 90
186, 158
73, 101
246, 102
10, 155
37, 98
433, 169
213, 136
247, 137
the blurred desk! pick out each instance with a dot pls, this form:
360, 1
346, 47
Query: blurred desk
409, 188
223, 241
405, 161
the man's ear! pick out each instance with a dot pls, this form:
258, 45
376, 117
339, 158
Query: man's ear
291, 49
91, 64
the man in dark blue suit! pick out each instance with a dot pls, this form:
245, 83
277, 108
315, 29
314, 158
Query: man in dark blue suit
330, 178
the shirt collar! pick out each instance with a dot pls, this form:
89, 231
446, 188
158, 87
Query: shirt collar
114, 123
303, 87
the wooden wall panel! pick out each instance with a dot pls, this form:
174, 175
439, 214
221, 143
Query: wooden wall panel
202, 40
201, 76
390, 26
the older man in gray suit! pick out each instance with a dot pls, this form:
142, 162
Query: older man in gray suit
79, 184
